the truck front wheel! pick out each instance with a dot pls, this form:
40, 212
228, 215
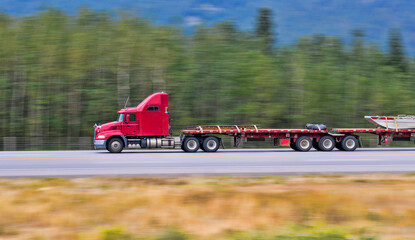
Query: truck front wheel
115, 145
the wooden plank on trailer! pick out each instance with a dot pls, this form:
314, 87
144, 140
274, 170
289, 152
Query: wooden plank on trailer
224, 127
203, 130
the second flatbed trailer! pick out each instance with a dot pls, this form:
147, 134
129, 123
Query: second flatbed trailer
385, 135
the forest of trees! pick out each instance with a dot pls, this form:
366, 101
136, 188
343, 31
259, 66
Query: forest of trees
61, 73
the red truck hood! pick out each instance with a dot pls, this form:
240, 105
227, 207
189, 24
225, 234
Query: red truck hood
109, 126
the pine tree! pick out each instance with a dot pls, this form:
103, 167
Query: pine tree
264, 31
358, 36
396, 52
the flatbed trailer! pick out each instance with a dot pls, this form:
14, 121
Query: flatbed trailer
299, 139
385, 135
347, 139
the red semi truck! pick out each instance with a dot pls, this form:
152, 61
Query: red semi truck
147, 126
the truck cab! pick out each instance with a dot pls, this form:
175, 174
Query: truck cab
142, 126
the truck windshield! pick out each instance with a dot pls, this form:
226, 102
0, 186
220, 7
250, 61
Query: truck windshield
120, 117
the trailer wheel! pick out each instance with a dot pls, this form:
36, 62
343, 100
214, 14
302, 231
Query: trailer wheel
303, 144
210, 144
349, 143
339, 146
191, 144
292, 145
201, 143
315, 145
326, 143
115, 145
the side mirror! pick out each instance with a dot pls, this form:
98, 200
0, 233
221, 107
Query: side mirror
127, 118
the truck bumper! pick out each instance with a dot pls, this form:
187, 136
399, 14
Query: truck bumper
100, 144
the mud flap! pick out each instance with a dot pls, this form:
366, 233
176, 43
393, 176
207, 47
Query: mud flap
125, 141
360, 142
221, 143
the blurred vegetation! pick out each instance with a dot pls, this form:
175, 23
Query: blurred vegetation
61, 73
313, 207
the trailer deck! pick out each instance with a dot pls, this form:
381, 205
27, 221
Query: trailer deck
372, 130
241, 130
385, 135
301, 139
298, 139
252, 131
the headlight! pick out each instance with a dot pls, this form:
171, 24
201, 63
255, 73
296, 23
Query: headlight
101, 136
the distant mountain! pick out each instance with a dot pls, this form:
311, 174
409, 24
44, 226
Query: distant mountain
294, 18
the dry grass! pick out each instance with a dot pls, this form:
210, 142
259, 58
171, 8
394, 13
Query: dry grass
354, 207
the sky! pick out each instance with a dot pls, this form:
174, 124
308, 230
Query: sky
293, 18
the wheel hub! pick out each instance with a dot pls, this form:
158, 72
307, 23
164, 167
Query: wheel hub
327, 143
211, 144
304, 144
115, 145
191, 144
350, 143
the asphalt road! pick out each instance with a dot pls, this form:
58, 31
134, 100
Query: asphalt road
176, 162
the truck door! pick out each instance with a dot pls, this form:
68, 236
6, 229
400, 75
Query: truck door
130, 126
151, 122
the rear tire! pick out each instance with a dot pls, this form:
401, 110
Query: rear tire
292, 145
201, 143
349, 143
315, 145
339, 146
115, 145
210, 144
191, 144
326, 143
303, 144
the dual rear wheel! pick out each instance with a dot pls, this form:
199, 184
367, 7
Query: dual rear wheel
207, 144
303, 144
326, 143
349, 143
